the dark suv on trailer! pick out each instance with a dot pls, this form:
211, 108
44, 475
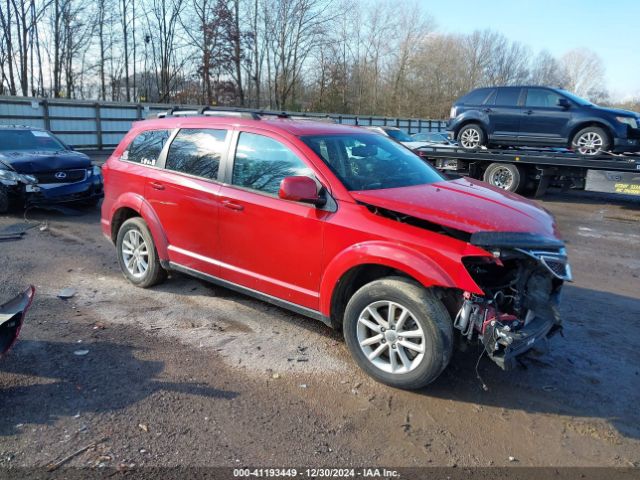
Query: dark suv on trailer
541, 117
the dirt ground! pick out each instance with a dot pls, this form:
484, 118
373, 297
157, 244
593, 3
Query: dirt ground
191, 374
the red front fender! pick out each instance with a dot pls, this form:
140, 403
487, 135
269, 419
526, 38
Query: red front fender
402, 258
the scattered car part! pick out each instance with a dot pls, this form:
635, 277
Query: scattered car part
12, 314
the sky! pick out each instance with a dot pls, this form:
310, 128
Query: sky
611, 28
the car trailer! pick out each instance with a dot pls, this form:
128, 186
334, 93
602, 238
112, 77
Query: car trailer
532, 171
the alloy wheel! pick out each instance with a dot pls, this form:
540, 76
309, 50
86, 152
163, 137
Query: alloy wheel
470, 138
135, 253
589, 143
390, 337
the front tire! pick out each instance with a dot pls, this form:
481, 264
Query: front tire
398, 332
471, 137
591, 142
137, 255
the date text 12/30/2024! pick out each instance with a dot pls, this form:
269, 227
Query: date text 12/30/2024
315, 472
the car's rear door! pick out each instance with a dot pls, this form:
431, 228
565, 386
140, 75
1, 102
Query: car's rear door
504, 114
184, 195
543, 120
268, 244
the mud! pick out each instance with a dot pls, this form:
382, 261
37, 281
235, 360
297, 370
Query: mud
188, 373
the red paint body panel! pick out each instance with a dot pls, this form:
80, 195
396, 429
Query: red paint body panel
464, 204
294, 251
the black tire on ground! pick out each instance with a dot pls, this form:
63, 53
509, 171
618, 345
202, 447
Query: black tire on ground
595, 137
471, 137
154, 273
506, 176
427, 312
4, 199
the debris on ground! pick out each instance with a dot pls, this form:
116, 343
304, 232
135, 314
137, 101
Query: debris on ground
81, 353
275, 376
513, 459
143, 427
66, 293
15, 231
55, 465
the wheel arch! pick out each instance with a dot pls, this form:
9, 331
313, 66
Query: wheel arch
591, 123
477, 119
136, 206
364, 263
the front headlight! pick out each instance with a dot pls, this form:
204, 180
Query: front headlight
96, 170
628, 121
9, 177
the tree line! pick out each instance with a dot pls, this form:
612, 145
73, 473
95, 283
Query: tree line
374, 58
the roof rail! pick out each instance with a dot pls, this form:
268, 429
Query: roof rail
221, 112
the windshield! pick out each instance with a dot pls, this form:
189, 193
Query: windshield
371, 162
29, 140
399, 135
575, 98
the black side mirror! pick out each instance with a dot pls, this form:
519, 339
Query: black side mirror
563, 103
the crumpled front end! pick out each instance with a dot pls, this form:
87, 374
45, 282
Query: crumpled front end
521, 283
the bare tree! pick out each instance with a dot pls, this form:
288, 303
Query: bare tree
163, 18
585, 73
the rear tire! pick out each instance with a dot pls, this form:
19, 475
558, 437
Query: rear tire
415, 345
137, 254
591, 142
506, 176
471, 137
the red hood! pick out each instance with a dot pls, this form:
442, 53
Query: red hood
464, 204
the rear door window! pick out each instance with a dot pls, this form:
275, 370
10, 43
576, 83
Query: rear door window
507, 97
146, 147
197, 152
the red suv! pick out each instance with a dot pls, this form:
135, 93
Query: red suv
341, 225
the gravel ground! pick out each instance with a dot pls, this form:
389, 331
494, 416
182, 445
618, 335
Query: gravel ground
191, 374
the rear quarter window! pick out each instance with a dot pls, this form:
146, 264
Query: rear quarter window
476, 97
146, 147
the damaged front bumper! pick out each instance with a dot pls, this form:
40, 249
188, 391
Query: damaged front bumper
504, 347
521, 283
87, 189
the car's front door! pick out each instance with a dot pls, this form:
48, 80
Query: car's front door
543, 120
504, 114
266, 243
185, 196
